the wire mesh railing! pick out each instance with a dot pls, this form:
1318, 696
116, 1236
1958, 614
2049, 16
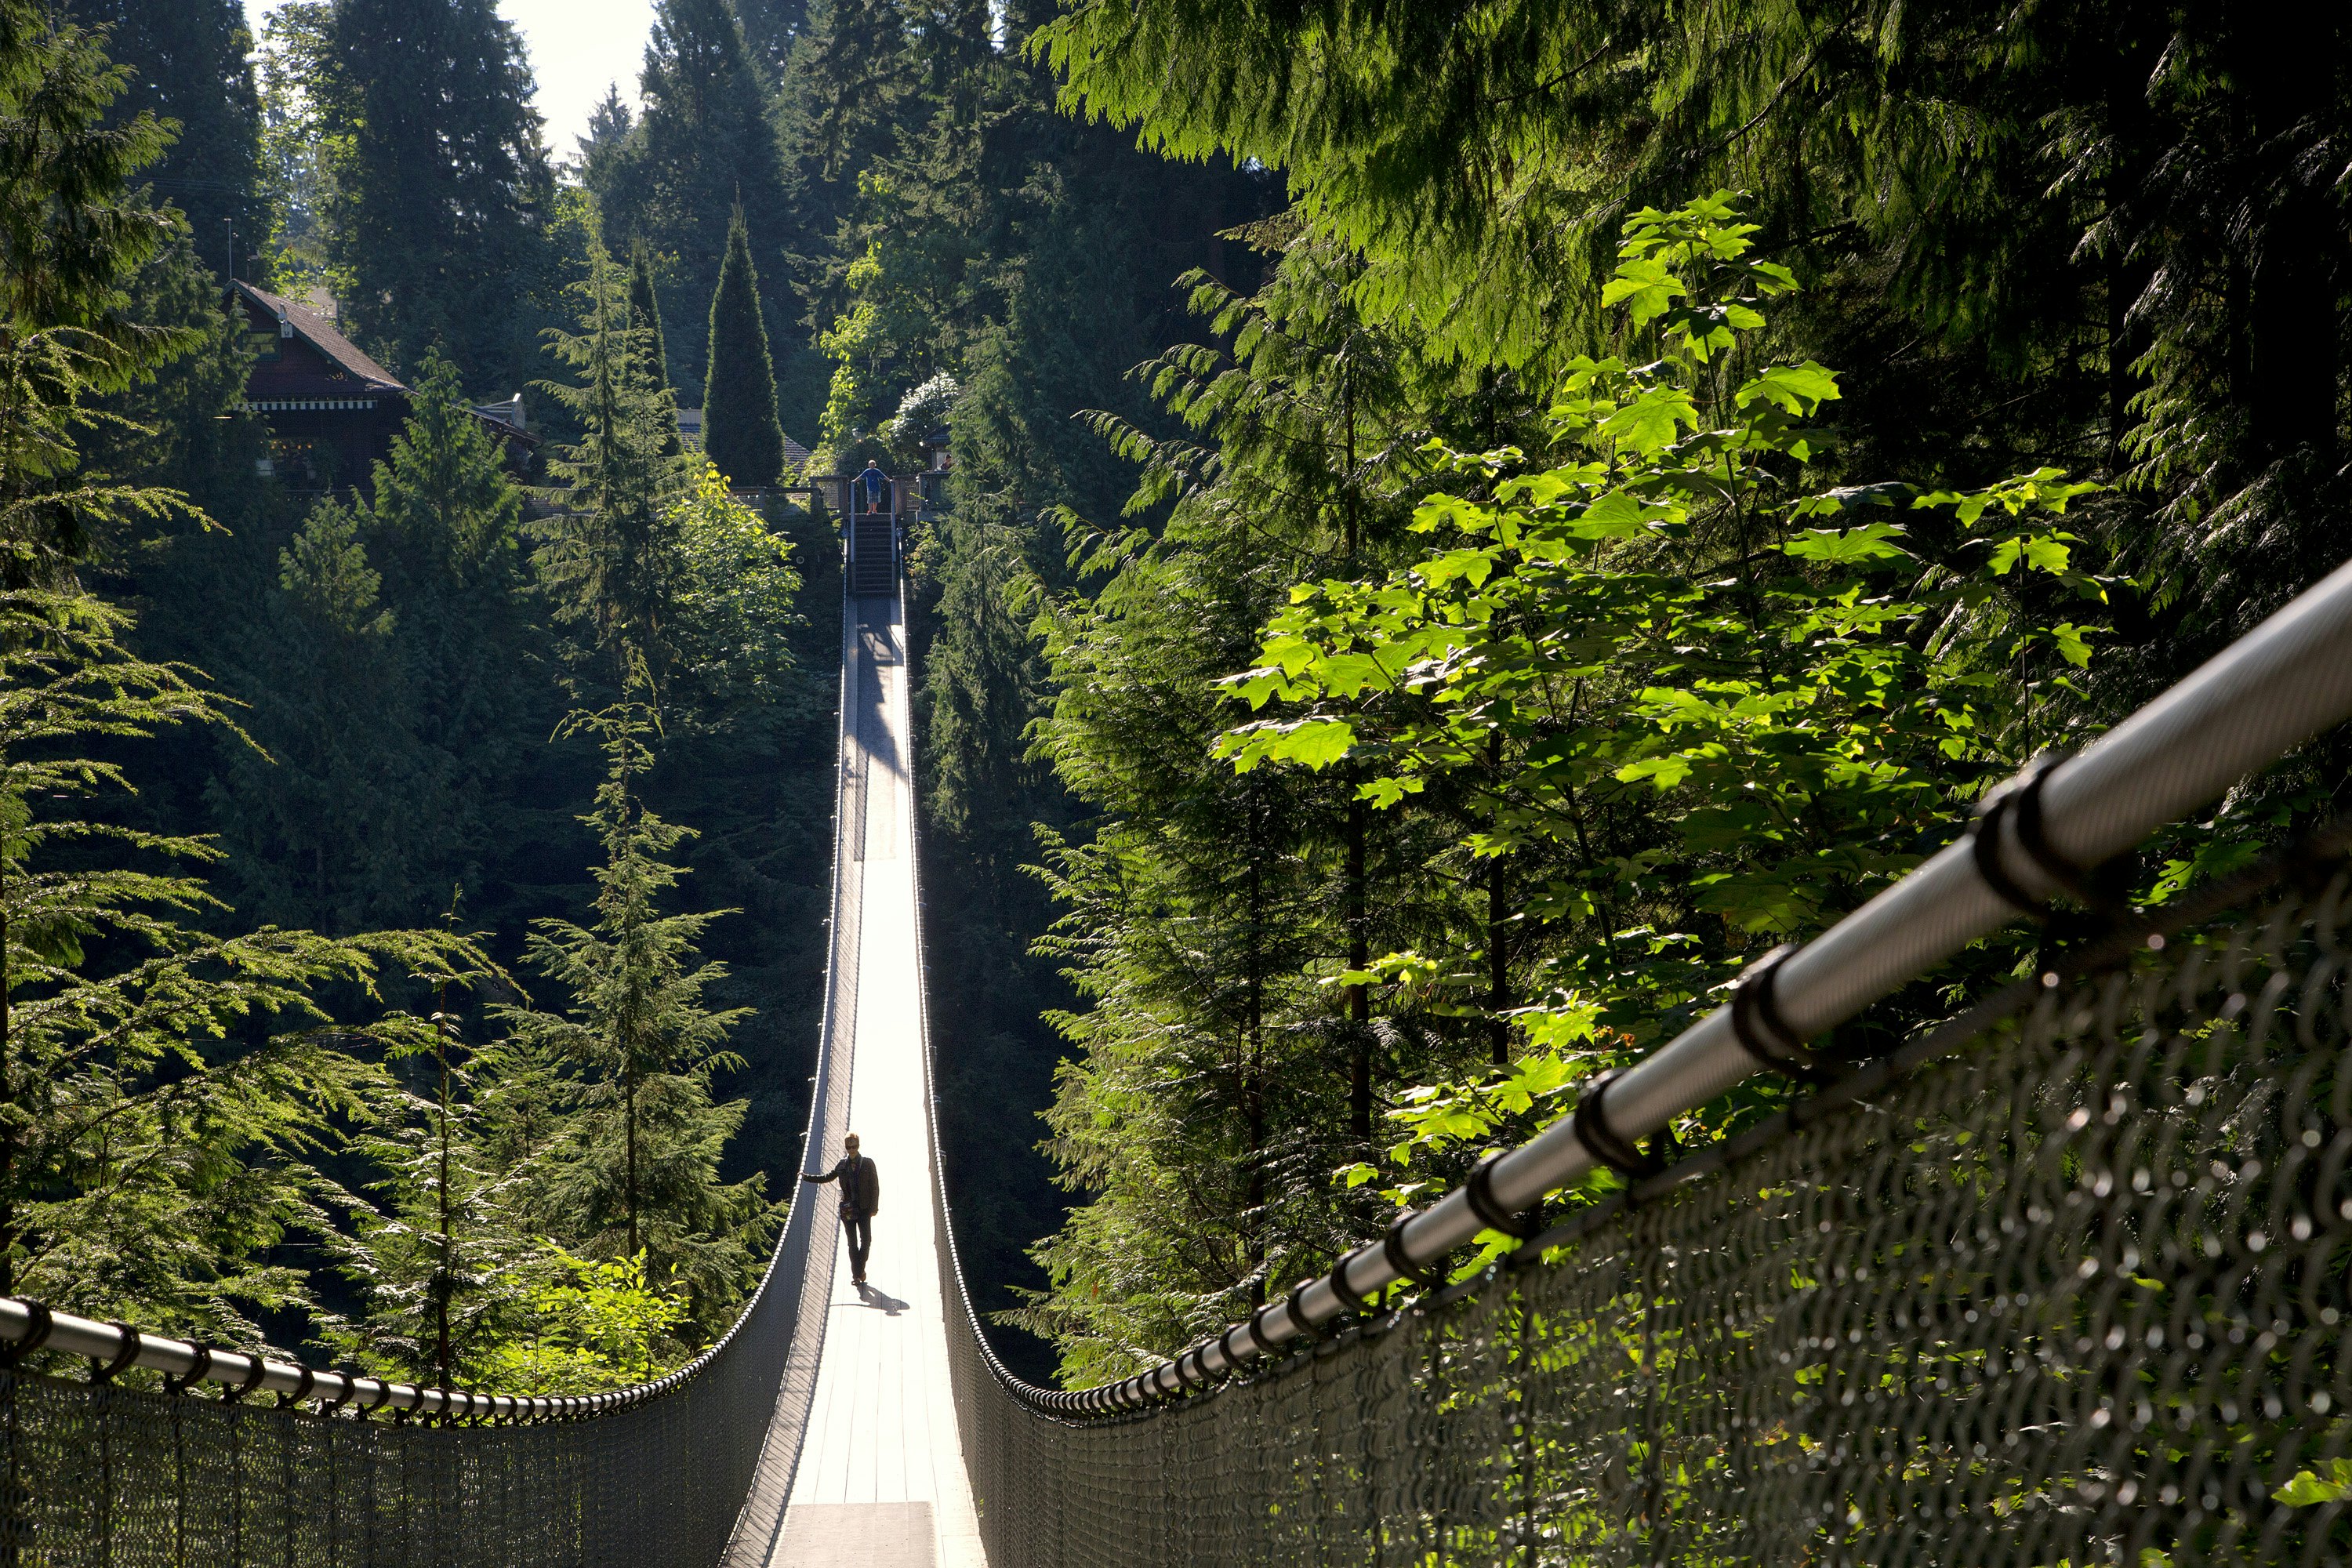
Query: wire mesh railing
2063, 1282
2069, 1288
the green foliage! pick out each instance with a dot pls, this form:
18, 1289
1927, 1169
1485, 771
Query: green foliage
703, 150
325, 573
736, 610
1701, 707
594, 1326
645, 316
190, 65
388, 664
2094, 234
1571, 719
604, 555
445, 496
167, 1096
1218, 1080
436, 1258
634, 1168
435, 196
74, 242
740, 433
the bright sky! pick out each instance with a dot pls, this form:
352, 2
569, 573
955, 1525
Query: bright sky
578, 48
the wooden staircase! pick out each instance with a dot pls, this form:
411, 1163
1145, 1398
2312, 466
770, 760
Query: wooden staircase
873, 556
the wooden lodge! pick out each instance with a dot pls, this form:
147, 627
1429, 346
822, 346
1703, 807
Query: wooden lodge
333, 411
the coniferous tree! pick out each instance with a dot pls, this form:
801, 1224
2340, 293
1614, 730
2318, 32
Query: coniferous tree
75, 241
163, 1091
333, 824
741, 432
771, 27
635, 1171
389, 674
441, 196
644, 317
702, 147
191, 65
439, 1260
605, 557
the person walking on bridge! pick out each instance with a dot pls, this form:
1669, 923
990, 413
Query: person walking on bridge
861, 1200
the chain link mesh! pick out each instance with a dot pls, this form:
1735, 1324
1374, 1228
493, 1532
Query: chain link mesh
101, 1474
2072, 1293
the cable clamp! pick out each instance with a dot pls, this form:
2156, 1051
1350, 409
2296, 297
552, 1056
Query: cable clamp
38, 1321
1591, 1124
304, 1381
1393, 1249
2018, 802
1295, 1304
1252, 1327
1757, 1023
123, 1356
177, 1382
253, 1376
1479, 1192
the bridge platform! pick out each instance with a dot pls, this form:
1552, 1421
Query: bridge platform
878, 1479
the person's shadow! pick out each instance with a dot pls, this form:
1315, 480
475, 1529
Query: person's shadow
875, 1297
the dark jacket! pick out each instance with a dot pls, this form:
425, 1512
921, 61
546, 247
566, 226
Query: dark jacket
861, 1186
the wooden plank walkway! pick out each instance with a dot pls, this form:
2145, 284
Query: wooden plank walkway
880, 1480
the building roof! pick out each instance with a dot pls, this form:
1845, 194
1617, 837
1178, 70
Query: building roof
319, 333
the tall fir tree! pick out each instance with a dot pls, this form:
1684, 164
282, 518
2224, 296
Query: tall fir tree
653, 351
637, 1170
605, 557
76, 239
165, 1093
771, 27
393, 674
741, 432
191, 64
441, 196
703, 145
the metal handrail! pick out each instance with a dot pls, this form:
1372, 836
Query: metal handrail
2288, 679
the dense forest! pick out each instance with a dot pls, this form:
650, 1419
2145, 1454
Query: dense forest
1467, 526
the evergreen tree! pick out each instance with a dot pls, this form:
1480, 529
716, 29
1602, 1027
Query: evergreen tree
771, 27
703, 147
439, 1259
439, 206
390, 671
335, 822
445, 497
606, 557
75, 241
741, 432
191, 65
644, 317
634, 1173
166, 1094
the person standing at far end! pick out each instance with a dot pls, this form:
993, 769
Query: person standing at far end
874, 481
861, 1200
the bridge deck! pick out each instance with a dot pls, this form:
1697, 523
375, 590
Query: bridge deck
880, 1480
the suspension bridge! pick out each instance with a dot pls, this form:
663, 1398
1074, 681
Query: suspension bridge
2061, 1280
